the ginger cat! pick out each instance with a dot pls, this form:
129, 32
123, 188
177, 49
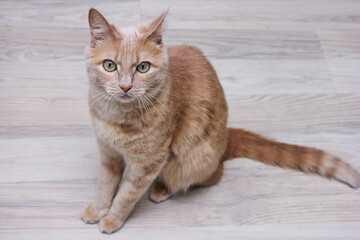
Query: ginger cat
160, 115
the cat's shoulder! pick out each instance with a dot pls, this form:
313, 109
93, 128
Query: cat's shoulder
185, 51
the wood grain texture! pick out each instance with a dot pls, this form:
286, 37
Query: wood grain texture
342, 54
258, 14
290, 70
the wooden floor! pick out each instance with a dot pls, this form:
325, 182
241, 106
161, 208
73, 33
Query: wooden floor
290, 69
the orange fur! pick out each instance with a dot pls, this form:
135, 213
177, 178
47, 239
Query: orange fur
169, 127
242, 143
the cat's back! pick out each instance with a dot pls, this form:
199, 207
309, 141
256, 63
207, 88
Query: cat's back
187, 59
190, 70
183, 52
198, 100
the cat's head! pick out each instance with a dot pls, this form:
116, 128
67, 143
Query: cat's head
126, 62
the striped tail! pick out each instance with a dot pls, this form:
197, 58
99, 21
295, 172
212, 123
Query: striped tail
242, 143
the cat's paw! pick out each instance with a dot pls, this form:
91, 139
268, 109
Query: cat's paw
110, 225
93, 215
159, 193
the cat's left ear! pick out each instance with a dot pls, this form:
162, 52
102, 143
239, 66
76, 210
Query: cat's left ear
156, 28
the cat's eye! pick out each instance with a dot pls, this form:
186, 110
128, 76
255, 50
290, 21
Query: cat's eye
143, 67
109, 65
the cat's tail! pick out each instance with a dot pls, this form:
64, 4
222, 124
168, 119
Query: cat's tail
242, 143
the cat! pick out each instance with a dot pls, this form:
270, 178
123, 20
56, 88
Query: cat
159, 116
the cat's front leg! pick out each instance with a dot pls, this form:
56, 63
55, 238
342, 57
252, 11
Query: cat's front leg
111, 170
138, 177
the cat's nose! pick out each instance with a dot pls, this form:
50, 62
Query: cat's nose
125, 87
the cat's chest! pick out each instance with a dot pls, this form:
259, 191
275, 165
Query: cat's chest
118, 136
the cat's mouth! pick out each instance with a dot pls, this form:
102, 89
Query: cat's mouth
126, 97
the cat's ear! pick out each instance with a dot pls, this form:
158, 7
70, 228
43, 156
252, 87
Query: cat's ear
100, 29
156, 28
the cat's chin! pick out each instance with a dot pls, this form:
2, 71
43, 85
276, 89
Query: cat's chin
125, 98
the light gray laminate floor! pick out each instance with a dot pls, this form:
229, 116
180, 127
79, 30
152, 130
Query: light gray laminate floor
290, 70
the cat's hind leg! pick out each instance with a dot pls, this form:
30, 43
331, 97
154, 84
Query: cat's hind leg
214, 178
199, 167
159, 192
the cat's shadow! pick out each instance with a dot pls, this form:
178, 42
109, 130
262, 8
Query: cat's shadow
194, 194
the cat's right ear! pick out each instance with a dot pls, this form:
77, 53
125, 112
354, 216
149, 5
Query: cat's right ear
100, 29
156, 28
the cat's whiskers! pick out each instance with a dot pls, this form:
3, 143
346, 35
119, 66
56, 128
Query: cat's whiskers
166, 92
160, 115
141, 112
150, 95
97, 100
149, 101
108, 103
138, 94
97, 94
141, 107
146, 108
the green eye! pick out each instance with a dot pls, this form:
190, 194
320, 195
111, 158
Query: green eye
143, 67
109, 65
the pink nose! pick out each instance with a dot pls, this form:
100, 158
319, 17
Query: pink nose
125, 88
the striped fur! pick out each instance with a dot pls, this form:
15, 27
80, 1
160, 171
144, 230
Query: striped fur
242, 143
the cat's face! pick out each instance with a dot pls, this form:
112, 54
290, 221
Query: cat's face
127, 63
